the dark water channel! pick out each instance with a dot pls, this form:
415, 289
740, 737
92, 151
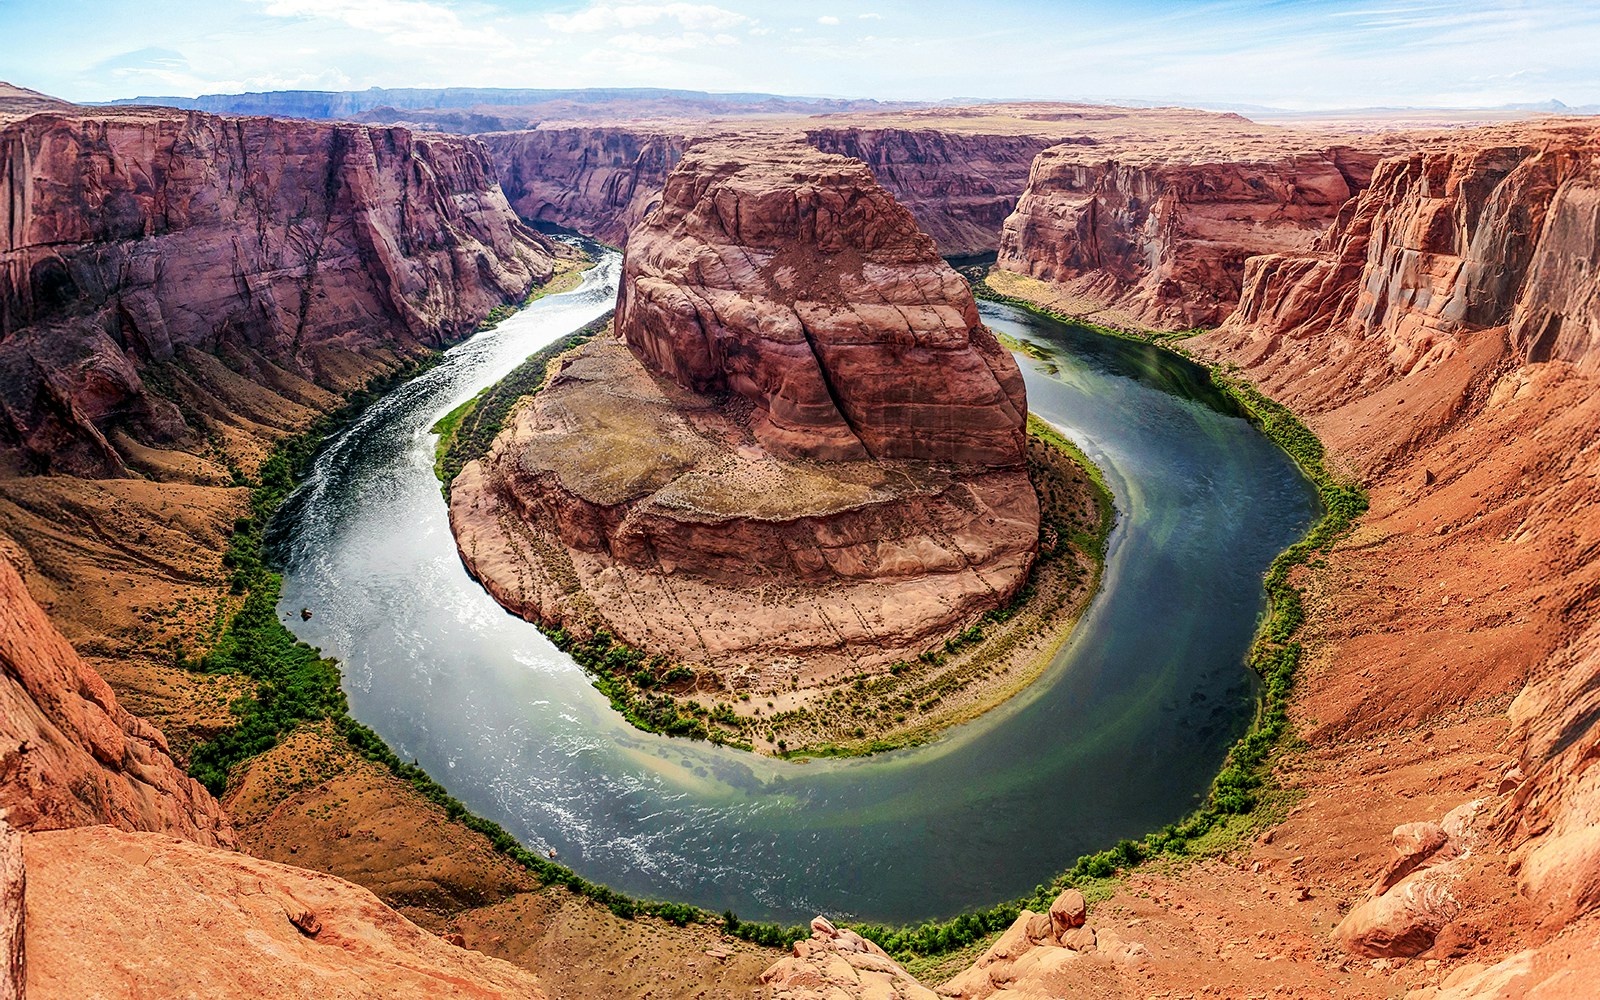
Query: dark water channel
1120, 736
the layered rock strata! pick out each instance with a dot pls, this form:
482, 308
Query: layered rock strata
130, 240
802, 451
1158, 237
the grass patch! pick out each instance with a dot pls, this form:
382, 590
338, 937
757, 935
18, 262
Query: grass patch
466, 432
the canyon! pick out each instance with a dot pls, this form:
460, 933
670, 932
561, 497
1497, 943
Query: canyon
801, 454
1435, 327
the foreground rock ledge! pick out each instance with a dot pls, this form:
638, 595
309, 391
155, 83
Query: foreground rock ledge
802, 456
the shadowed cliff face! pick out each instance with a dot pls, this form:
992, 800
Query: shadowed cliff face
600, 181
1162, 238
960, 187
792, 279
129, 239
604, 180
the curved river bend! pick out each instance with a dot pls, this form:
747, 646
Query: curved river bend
1121, 735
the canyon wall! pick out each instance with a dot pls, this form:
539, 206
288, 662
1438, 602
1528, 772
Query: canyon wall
604, 180
1441, 337
600, 181
1158, 238
130, 239
69, 754
960, 186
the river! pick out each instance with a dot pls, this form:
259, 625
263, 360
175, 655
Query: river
1121, 735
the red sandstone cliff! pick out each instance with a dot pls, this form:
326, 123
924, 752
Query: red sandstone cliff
794, 280
69, 754
1160, 237
128, 239
1441, 338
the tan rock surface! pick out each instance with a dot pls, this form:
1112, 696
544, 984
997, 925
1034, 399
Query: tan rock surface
115, 914
839, 965
13, 903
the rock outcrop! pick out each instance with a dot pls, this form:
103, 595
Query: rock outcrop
117, 914
796, 282
129, 240
804, 449
837, 964
1158, 237
69, 754
13, 904
601, 180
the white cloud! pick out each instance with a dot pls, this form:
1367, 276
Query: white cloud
406, 22
827, 19
629, 16
870, 16
656, 43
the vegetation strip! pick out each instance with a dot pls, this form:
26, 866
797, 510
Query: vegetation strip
466, 432
296, 685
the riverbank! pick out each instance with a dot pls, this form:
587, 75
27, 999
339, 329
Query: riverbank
807, 709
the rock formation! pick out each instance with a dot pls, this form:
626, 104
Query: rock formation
1159, 237
69, 754
171, 918
794, 281
131, 239
805, 448
837, 963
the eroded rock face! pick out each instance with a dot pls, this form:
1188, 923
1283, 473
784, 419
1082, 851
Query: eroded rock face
792, 279
961, 187
69, 754
140, 914
1494, 230
600, 181
1160, 237
128, 239
807, 452
1440, 339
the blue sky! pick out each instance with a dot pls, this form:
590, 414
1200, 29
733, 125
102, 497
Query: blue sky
1286, 53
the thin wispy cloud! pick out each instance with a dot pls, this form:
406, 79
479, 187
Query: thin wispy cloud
1289, 53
